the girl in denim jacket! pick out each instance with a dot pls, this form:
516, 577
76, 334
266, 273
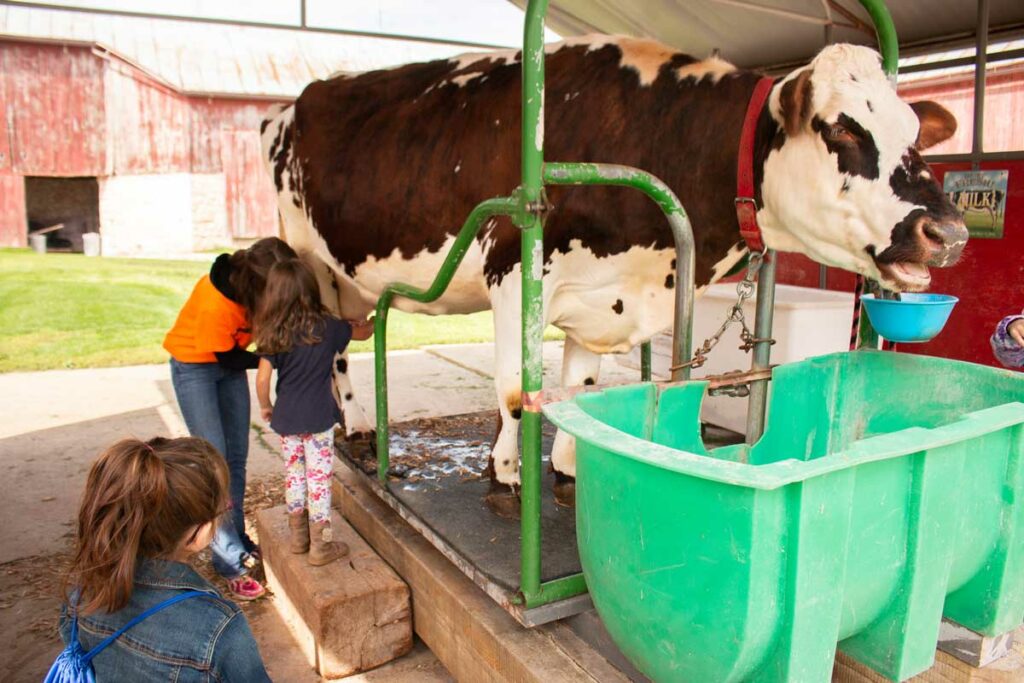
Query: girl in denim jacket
148, 507
1008, 341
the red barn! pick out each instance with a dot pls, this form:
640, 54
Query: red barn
147, 131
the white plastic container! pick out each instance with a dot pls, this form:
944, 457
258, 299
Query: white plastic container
808, 322
91, 243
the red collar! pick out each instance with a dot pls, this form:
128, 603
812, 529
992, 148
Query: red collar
746, 207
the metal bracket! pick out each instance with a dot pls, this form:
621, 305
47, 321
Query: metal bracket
527, 211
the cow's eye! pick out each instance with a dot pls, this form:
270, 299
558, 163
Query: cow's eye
836, 132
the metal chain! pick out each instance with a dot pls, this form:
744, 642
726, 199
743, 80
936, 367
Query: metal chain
745, 289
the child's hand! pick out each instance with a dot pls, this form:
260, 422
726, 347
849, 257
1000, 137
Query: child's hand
1016, 331
361, 329
266, 412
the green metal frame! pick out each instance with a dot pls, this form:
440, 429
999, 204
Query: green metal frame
526, 207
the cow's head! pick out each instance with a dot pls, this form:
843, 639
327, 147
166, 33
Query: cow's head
845, 182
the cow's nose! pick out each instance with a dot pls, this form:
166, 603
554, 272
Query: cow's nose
941, 241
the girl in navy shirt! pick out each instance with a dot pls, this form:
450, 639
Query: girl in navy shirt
299, 338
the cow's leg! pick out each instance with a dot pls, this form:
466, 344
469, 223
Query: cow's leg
579, 366
503, 467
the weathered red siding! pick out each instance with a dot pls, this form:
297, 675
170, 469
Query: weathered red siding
55, 103
153, 124
13, 228
225, 138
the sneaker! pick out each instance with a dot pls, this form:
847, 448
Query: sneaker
245, 588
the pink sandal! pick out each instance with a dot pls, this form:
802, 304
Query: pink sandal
245, 588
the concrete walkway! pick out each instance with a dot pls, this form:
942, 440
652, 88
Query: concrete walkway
53, 424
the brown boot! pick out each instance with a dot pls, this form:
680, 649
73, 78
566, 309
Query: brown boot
298, 532
322, 550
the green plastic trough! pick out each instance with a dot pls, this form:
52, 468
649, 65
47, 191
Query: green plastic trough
885, 493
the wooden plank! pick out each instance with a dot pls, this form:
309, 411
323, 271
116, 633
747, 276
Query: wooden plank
474, 638
947, 669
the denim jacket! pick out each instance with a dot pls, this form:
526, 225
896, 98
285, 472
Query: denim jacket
197, 640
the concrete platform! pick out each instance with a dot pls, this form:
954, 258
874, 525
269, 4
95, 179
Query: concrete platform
351, 615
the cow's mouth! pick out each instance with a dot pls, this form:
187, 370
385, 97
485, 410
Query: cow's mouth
905, 276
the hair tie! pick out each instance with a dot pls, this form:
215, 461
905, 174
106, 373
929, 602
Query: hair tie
148, 447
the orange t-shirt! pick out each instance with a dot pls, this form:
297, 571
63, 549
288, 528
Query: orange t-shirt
208, 322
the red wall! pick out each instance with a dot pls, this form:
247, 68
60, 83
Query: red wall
989, 279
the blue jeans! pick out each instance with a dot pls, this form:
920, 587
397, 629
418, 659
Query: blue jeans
215, 404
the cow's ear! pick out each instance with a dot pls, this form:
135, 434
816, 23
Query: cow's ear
795, 103
937, 124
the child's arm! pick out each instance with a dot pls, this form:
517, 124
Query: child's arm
263, 373
361, 329
1008, 341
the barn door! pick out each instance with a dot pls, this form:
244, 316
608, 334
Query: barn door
249, 193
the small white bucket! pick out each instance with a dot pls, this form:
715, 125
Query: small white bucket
38, 243
91, 243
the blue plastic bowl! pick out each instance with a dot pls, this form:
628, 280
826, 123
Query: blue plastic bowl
913, 318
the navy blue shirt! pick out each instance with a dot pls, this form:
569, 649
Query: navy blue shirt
305, 398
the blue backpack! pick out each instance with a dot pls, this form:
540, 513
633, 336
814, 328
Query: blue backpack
74, 665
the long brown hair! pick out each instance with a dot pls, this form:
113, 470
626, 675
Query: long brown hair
249, 268
141, 500
290, 311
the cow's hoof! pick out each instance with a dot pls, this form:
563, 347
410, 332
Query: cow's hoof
503, 500
565, 490
363, 445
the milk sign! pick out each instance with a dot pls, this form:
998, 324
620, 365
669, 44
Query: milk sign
981, 196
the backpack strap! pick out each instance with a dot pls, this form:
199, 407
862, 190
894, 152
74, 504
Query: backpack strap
145, 615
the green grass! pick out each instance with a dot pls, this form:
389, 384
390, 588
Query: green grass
69, 311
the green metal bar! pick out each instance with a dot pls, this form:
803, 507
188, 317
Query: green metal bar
682, 233
888, 45
530, 196
645, 362
554, 590
500, 206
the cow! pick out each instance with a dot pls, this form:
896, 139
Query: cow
375, 173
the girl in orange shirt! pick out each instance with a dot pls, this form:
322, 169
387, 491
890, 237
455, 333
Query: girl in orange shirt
208, 363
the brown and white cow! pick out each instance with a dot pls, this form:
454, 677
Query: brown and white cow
375, 173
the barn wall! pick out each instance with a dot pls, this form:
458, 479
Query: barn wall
225, 138
1004, 100
13, 228
209, 212
146, 214
149, 123
54, 109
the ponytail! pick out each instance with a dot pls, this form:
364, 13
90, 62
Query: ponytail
141, 499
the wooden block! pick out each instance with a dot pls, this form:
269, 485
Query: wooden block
348, 616
474, 637
973, 648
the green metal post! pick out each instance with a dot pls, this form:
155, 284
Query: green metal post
530, 195
501, 206
888, 45
645, 362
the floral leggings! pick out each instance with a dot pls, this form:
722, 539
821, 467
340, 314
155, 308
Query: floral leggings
309, 463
